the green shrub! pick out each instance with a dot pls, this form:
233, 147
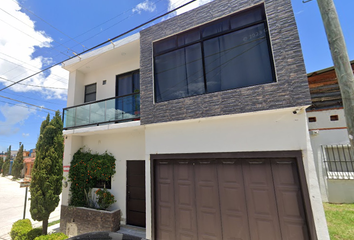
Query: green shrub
105, 198
35, 232
20, 229
85, 171
53, 236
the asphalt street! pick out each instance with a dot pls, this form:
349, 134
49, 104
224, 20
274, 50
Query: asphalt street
12, 199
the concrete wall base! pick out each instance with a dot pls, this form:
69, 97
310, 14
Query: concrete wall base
340, 191
79, 220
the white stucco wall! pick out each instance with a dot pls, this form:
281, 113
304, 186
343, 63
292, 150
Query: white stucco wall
76, 88
274, 130
323, 119
262, 131
123, 143
327, 132
340, 191
71, 145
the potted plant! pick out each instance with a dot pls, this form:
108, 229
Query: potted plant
104, 198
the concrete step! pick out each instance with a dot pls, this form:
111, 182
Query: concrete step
135, 231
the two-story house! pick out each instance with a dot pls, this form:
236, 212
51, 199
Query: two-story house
205, 115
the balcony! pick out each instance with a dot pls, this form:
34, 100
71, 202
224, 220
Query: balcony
111, 110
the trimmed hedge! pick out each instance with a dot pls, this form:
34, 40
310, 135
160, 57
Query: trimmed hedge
20, 229
35, 232
53, 236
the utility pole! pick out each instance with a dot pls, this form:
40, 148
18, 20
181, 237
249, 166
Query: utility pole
341, 62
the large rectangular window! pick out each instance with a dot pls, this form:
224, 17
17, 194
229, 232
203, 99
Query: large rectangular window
232, 52
128, 90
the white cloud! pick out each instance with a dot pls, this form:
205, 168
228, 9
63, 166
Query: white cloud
25, 134
16, 49
176, 3
144, 6
13, 115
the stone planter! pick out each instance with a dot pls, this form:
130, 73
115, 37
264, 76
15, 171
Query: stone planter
79, 220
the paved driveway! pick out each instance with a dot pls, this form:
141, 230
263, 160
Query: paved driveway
11, 206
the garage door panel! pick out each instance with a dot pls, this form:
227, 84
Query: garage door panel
232, 201
264, 230
261, 205
186, 219
295, 231
289, 198
207, 202
165, 225
258, 199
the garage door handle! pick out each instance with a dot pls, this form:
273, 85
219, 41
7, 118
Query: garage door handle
204, 162
232, 162
284, 162
255, 162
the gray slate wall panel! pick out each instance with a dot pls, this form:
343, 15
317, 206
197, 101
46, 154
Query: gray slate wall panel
290, 90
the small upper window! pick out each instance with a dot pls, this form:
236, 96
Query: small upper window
334, 118
90, 93
312, 119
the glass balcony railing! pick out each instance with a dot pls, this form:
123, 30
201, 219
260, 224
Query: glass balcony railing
117, 109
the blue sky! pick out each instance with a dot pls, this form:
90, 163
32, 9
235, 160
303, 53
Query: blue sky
37, 33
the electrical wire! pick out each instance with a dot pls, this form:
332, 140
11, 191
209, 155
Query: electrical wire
41, 107
47, 23
61, 77
31, 27
24, 106
31, 36
30, 85
36, 99
99, 45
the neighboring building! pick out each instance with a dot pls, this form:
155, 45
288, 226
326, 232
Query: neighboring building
28, 166
206, 112
26, 154
32, 153
329, 138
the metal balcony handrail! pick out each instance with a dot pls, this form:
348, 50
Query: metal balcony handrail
102, 100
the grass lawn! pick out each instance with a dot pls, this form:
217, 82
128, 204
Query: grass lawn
340, 221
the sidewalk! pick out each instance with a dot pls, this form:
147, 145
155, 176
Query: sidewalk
12, 204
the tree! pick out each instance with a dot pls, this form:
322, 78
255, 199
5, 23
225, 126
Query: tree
18, 163
47, 173
6, 165
1, 163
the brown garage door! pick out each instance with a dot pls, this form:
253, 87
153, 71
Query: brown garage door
228, 199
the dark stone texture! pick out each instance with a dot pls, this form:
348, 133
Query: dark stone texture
89, 220
290, 90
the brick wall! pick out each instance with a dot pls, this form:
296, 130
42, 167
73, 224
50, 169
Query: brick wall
290, 90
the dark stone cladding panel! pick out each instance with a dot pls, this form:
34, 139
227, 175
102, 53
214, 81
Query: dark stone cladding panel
290, 90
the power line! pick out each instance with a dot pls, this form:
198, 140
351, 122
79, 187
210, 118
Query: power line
48, 23
112, 26
28, 25
31, 66
99, 45
41, 107
30, 85
23, 106
31, 36
36, 99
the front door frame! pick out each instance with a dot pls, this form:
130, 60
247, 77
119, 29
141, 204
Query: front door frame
127, 189
297, 155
